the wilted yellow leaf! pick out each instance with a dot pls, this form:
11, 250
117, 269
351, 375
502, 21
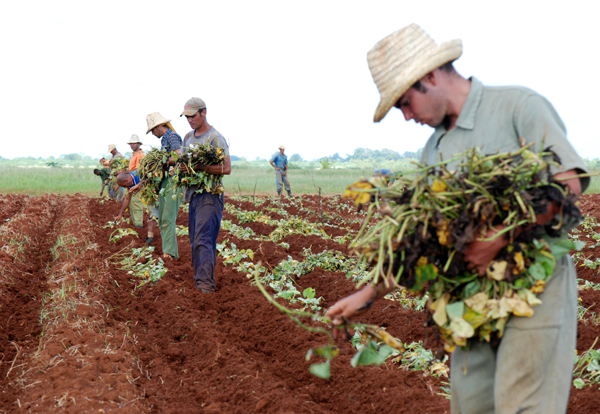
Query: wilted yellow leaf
519, 261
475, 319
529, 297
477, 302
443, 233
461, 331
422, 261
391, 341
538, 287
520, 307
439, 368
360, 197
439, 306
449, 348
496, 270
500, 325
438, 186
485, 331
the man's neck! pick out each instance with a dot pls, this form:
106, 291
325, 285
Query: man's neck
457, 93
202, 130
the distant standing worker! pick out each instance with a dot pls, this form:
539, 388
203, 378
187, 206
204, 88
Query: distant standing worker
280, 163
168, 200
114, 191
103, 173
206, 209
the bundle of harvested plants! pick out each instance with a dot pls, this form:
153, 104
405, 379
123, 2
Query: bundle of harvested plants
118, 165
424, 231
151, 173
194, 159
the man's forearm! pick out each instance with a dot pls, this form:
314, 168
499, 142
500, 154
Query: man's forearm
125, 203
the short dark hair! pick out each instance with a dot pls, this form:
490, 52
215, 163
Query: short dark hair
418, 86
122, 177
446, 67
96, 171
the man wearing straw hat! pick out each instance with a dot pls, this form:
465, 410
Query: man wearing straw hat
206, 209
169, 198
132, 200
530, 370
280, 163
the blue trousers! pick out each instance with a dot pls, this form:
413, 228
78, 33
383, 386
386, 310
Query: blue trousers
204, 223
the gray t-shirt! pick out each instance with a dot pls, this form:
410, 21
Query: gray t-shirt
212, 137
494, 118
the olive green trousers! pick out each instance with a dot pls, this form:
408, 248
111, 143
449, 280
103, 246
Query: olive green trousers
136, 209
532, 369
168, 208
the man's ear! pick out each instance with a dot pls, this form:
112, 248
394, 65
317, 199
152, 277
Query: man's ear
431, 78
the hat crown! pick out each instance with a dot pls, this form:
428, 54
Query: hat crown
399, 60
155, 119
134, 139
195, 103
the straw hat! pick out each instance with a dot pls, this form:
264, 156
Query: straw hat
134, 139
111, 147
156, 119
281, 147
401, 59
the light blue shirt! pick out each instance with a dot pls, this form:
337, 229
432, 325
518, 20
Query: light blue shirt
280, 161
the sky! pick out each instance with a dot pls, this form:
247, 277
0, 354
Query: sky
77, 76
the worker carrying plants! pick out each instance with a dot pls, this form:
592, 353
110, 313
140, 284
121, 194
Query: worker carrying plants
103, 173
169, 198
114, 191
531, 368
206, 207
280, 163
386, 174
132, 199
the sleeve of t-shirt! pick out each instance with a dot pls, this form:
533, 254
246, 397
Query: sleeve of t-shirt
537, 121
220, 142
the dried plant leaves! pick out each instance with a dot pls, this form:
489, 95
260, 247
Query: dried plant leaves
434, 216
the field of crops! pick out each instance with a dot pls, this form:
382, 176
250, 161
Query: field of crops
91, 322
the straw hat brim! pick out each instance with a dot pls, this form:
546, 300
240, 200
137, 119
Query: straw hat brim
400, 60
167, 123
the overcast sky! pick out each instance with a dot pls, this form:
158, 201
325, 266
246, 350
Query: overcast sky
77, 75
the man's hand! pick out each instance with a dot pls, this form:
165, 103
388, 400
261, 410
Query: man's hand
183, 168
479, 253
135, 188
119, 217
284, 172
349, 307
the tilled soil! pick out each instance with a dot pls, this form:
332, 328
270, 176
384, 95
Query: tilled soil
76, 336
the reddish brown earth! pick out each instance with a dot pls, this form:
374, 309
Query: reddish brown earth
168, 348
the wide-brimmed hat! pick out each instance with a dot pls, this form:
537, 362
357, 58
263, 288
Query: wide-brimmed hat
111, 147
281, 147
192, 106
156, 119
134, 139
401, 59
